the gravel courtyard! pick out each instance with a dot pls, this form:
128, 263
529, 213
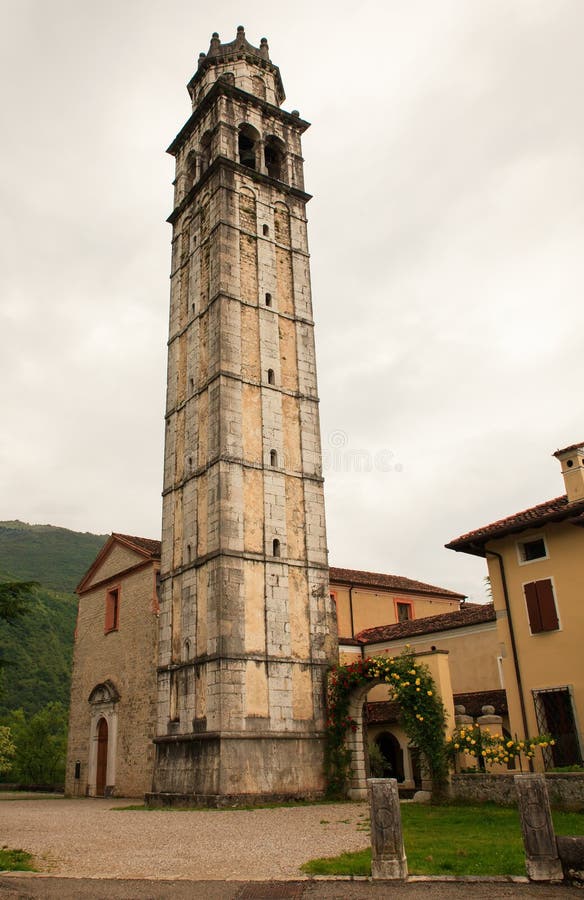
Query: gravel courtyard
90, 838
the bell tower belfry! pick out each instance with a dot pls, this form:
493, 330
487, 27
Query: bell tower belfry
247, 628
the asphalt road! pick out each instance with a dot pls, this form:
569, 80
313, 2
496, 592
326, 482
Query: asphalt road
20, 887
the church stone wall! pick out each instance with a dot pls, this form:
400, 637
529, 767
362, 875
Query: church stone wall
127, 658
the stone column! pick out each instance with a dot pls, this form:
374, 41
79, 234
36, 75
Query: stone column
388, 858
461, 720
490, 722
541, 854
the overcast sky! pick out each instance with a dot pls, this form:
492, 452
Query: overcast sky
446, 231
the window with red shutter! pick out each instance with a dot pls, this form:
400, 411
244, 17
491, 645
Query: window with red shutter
112, 610
541, 606
547, 605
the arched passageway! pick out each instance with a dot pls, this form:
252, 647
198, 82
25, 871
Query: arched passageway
392, 754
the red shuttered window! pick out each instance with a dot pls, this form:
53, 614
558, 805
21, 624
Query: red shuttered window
112, 610
541, 606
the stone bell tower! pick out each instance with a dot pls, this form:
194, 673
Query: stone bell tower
247, 629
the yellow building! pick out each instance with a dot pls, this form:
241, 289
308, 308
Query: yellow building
536, 566
366, 599
380, 614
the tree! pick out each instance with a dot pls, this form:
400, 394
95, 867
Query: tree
13, 602
13, 597
7, 749
41, 745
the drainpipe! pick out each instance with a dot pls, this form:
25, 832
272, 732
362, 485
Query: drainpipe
351, 610
513, 644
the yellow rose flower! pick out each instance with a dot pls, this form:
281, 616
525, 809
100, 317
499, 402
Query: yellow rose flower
429, 693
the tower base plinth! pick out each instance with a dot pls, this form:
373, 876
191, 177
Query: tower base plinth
229, 770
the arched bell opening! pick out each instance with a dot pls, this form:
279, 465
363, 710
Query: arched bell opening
275, 158
247, 145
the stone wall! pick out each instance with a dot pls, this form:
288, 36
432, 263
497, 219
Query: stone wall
114, 677
565, 789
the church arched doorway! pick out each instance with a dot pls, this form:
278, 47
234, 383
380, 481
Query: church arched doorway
102, 747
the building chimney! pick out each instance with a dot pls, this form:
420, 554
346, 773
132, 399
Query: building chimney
572, 462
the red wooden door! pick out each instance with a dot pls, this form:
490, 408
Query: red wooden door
101, 776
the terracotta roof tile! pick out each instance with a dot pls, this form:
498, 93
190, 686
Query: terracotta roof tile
567, 449
393, 582
468, 614
381, 711
150, 546
551, 511
474, 701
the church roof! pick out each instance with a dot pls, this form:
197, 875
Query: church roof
554, 510
468, 614
143, 544
357, 578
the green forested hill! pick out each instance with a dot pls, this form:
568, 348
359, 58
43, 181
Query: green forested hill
55, 557
39, 645
38, 648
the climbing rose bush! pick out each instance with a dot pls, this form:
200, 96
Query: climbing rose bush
421, 714
493, 748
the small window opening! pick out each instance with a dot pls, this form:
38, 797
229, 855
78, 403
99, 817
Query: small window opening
268, 299
188, 552
187, 651
265, 230
192, 384
404, 612
271, 377
273, 458
205, 152
530, 550
275, 547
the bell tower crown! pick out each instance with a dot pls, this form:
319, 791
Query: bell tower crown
241, 64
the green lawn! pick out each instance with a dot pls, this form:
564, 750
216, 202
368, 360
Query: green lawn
15, 861
453, 840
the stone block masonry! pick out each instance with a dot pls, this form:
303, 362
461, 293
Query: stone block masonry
247, 626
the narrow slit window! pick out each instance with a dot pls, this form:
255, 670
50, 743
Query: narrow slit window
271, 377
275, 547
268, 299
265, 230
273, 458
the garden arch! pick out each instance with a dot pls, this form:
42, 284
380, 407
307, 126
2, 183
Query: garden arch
423, 717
